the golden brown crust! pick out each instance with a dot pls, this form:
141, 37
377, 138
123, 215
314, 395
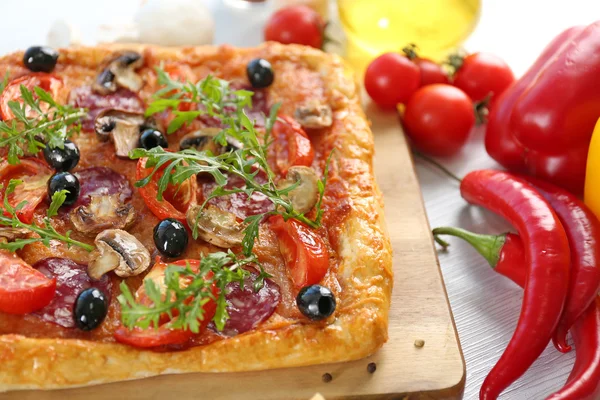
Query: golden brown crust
364, 274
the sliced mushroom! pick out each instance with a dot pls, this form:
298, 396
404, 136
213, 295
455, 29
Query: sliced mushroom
204, 139
122, 128
103, 212
119, 251
9, 234
314, 115
306, 194
216, 226
120, 71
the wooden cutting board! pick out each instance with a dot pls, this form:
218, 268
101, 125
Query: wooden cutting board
420, 311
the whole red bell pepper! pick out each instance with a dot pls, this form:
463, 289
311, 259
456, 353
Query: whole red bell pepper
542, 125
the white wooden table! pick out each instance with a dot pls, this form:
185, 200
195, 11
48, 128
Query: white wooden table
485, 305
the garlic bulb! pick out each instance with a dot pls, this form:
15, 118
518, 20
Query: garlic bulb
63, 34
174, 23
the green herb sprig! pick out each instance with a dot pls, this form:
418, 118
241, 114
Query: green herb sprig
49, 127
45, 233
217, 100
186, 292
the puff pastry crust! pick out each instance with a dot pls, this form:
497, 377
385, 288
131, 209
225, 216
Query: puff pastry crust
363, 247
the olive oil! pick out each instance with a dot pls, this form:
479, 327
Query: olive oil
437, 27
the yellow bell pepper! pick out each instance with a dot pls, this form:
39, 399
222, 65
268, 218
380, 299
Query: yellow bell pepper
592, 173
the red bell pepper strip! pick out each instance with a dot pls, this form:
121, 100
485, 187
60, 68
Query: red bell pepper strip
505, 254
291, 145
547, 253
305, 254
176, 199
542, 125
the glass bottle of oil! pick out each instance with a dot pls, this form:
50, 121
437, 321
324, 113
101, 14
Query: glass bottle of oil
375, 26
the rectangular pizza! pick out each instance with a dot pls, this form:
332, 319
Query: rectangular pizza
171, 210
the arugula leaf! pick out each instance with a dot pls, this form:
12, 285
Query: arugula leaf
251, 232
58, 198
17, 244
182, 118
321, 187
44, 96
182, 284
51, 125
260, 279
271, 121
4, 81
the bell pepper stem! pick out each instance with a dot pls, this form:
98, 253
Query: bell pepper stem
489, 246
436, 164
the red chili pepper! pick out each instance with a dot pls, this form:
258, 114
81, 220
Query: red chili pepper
584, 381
542, 125
505, 254
546, 250
583, 231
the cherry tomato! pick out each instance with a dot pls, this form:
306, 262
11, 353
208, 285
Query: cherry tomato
176, 199
431, 72
391, 79
164, 335
32, 190
304, 252
296, 24
291, 145
22, 289
483, 74
12, 92
438, 119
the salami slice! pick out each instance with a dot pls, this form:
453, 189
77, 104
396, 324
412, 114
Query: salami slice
122, 99
239, 203
247, 308
98, 181
71, 279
